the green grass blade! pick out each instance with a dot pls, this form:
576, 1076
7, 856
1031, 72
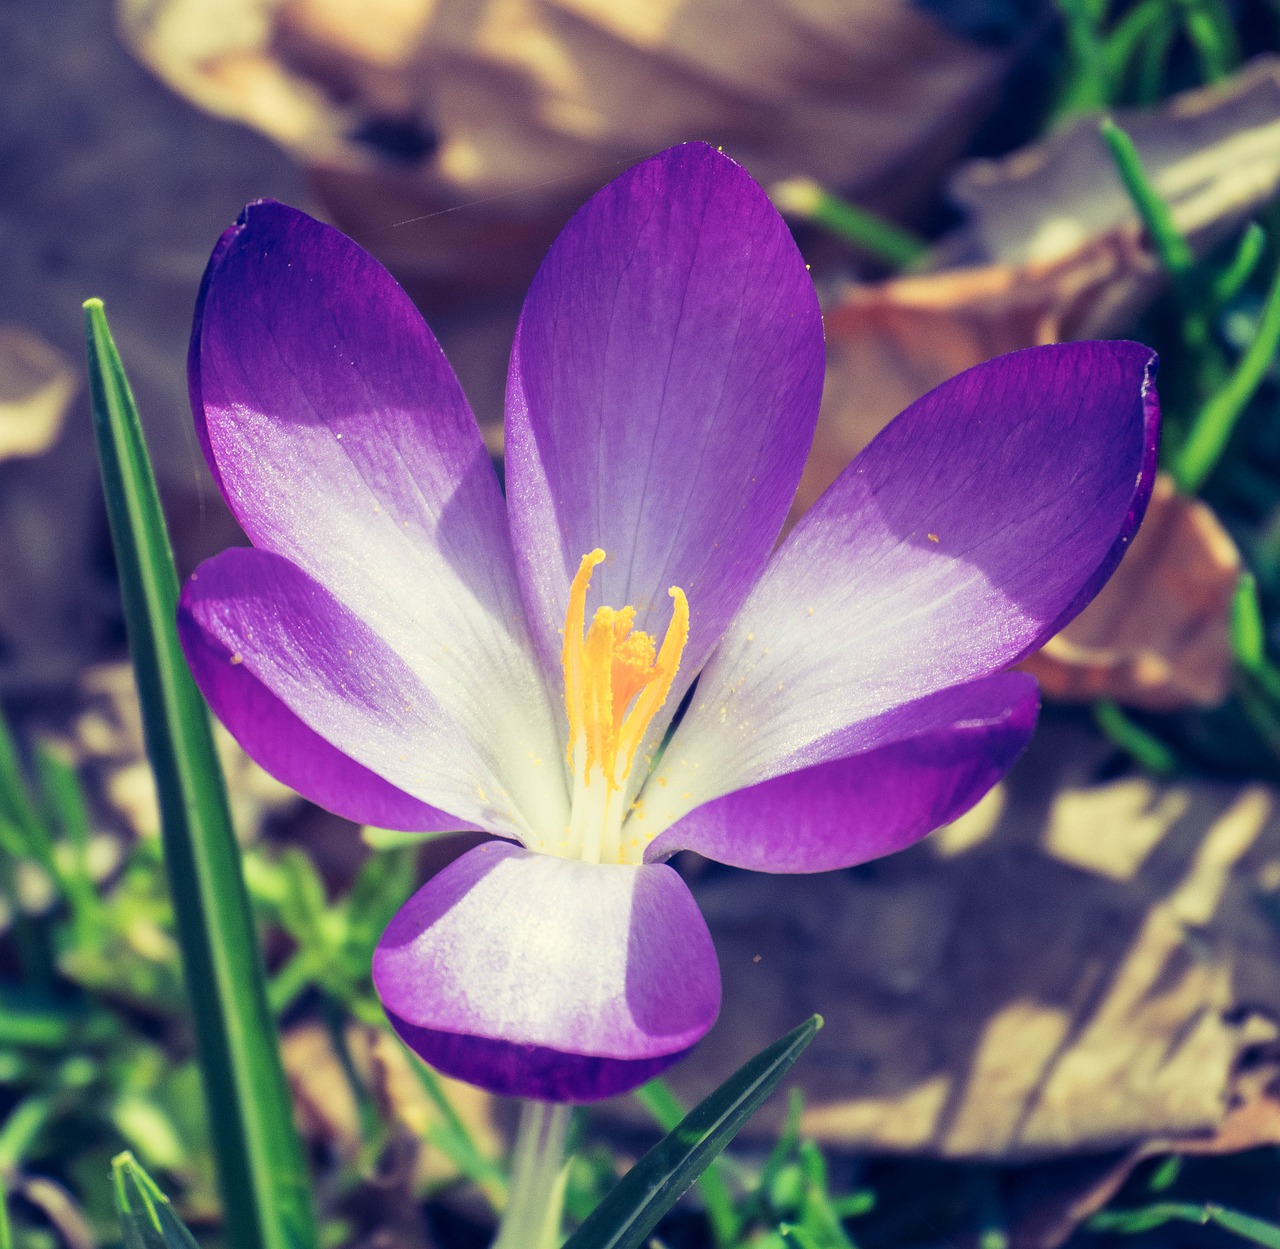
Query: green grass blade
658, 1099
1249, 251
6, 1232
1145, 747
805, 199
1174, 251
264, 1182
631, 1211
1212, 431
147, 1220
1146, 1218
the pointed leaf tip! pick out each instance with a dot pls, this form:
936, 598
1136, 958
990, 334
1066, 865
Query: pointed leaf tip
147, 1220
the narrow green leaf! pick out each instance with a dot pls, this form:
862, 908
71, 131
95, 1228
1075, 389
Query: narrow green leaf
1145, 747
6, 1232
658, 1099
1166, 1174
1144, 1219
20, 1131
147, 1219
264, 1182
805, 199
449, 1135
1211, 32
1214, 426
1230, 282
1248, 629
1174, 251
632, 1210
797, 1238
1130, 33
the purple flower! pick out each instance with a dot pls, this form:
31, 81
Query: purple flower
406, 651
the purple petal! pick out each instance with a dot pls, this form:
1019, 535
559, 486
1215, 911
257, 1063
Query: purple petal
861, 806
295, 755
342, 441
663, 392
973, 528
253, 624
535, 976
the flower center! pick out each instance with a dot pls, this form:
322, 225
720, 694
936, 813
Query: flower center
615, 681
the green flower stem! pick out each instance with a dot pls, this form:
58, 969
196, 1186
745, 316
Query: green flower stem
536, 1199
1212, 430
805, 199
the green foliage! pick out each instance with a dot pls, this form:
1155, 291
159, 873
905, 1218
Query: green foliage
266, 1190
632, 1210
147, 1220
1132, 1222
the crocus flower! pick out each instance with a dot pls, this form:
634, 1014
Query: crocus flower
405, 650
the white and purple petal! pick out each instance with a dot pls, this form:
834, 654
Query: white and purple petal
534, 976
342, 441
834, 807
663, 392
285, 664
973, 528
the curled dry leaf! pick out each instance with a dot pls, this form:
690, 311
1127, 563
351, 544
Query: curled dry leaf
406, 109
1252, 1121
1213, 154
1158, 634
1072, 967
1053, 251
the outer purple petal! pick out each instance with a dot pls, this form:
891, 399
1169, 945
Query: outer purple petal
862, 806
663, 392
294, 754
342, 441
262, 636
551, 978
972, 529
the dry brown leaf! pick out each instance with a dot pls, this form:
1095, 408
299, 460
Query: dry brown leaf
1063, 257
1072, 967
1252, 1121
1213, 154
1158, 635
418, 106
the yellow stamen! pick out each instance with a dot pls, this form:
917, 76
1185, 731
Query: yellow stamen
615, 679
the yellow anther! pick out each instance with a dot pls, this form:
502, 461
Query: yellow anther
615, 678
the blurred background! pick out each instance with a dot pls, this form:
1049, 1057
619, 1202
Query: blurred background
1056, 1020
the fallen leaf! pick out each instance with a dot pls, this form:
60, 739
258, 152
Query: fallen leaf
1158, 634
1005, 990
517, 109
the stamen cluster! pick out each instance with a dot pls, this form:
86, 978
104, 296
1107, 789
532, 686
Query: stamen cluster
615, 681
